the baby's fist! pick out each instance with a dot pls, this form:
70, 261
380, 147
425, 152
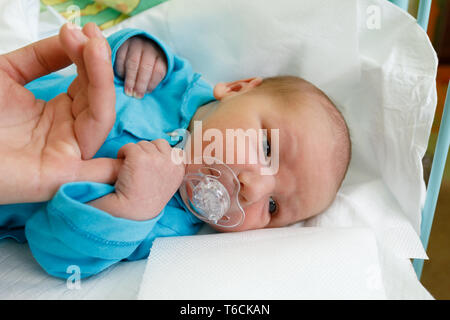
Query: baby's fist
142, 64
147, 179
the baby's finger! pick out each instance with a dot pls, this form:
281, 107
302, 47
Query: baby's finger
163, 146
159, 72
145, 72
128, 150
132, 62
147, 146
119, 65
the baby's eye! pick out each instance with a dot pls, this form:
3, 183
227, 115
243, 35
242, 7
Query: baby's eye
266, 145
272, 206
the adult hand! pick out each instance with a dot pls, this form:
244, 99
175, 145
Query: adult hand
45, 144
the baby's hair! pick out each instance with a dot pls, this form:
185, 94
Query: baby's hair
287, 89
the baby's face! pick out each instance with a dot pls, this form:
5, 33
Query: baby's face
302, 184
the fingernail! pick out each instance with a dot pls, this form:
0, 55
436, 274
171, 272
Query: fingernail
137, 95
129, 92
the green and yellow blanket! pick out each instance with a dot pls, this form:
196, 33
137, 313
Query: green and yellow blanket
105, 13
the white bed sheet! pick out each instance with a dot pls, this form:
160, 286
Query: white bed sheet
286, 263
22, 278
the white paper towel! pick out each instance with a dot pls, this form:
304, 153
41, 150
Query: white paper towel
287, 263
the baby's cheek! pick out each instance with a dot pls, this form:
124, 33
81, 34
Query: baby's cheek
259, 217
255, 217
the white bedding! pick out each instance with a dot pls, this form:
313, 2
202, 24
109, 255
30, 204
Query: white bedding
290, 263
383, 84
22, 278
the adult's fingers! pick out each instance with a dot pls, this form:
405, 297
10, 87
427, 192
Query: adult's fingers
102, 170
93, 31
73, 41
99, 115
35, 60
74, 89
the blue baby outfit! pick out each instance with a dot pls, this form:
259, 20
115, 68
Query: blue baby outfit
65, 231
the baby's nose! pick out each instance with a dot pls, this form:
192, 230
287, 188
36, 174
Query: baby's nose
255, 186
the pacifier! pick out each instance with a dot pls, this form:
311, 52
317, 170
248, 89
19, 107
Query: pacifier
210, 192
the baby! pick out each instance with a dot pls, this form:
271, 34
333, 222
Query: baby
93, 225
314, 142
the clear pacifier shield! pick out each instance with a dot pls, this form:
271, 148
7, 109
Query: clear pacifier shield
211, 199
210, 192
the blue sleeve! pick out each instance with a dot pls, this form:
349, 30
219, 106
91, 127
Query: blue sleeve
68, 232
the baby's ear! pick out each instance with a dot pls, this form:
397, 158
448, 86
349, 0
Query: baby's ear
224, 90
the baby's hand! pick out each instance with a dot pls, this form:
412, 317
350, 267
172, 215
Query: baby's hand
146, 181
142, 64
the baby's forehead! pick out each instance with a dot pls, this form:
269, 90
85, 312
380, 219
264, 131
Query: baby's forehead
304, 107
292, 93
305, 132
